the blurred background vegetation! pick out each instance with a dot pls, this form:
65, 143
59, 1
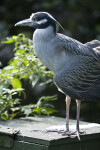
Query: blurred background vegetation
80, 19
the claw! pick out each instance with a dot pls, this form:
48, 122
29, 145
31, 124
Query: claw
69, 133
78, 133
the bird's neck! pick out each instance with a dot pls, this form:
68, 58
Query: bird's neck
44, 34
45, 48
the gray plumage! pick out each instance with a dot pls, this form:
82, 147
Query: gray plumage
76, 66
80, 77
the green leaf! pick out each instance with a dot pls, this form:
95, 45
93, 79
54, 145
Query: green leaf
16, 83
8, 41
37, 111
49, 111
48, 98
4, 115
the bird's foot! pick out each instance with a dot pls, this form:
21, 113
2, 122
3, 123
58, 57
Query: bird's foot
78, 133
65, 132
59, 131
71, 133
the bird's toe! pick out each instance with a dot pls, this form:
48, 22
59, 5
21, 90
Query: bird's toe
64, 132
78, 133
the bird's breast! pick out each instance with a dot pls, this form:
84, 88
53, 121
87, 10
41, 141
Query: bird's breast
48, 53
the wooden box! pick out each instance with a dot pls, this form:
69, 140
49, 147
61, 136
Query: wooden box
30, 134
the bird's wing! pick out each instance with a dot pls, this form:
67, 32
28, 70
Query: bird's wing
93, 44
79, 78
75, 47
81, 75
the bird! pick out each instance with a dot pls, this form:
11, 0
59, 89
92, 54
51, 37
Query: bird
76, 66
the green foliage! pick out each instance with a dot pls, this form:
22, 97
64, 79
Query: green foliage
23, 65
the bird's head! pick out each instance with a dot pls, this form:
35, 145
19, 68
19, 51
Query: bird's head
39, 20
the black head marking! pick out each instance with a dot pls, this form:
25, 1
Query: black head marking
43, 20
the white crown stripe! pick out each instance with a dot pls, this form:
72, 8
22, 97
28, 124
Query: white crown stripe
42, 21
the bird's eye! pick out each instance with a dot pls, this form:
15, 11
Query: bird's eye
35, 19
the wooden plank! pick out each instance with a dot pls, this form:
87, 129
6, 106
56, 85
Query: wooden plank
89, 145
22, 145
7, 136
33, 134
86, 145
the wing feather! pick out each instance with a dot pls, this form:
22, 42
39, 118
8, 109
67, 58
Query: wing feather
80, 79
75, 47
93, 44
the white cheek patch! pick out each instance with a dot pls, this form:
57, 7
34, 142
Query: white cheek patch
42, 21
31, 16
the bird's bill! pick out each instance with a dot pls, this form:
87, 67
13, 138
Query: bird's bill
26, 22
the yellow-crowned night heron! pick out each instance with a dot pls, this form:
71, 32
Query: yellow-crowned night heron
76, 66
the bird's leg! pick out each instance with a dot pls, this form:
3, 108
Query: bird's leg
78, 132
68, 101
78, 103
64, 131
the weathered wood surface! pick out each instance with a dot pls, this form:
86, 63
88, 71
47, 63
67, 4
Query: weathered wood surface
33, 135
